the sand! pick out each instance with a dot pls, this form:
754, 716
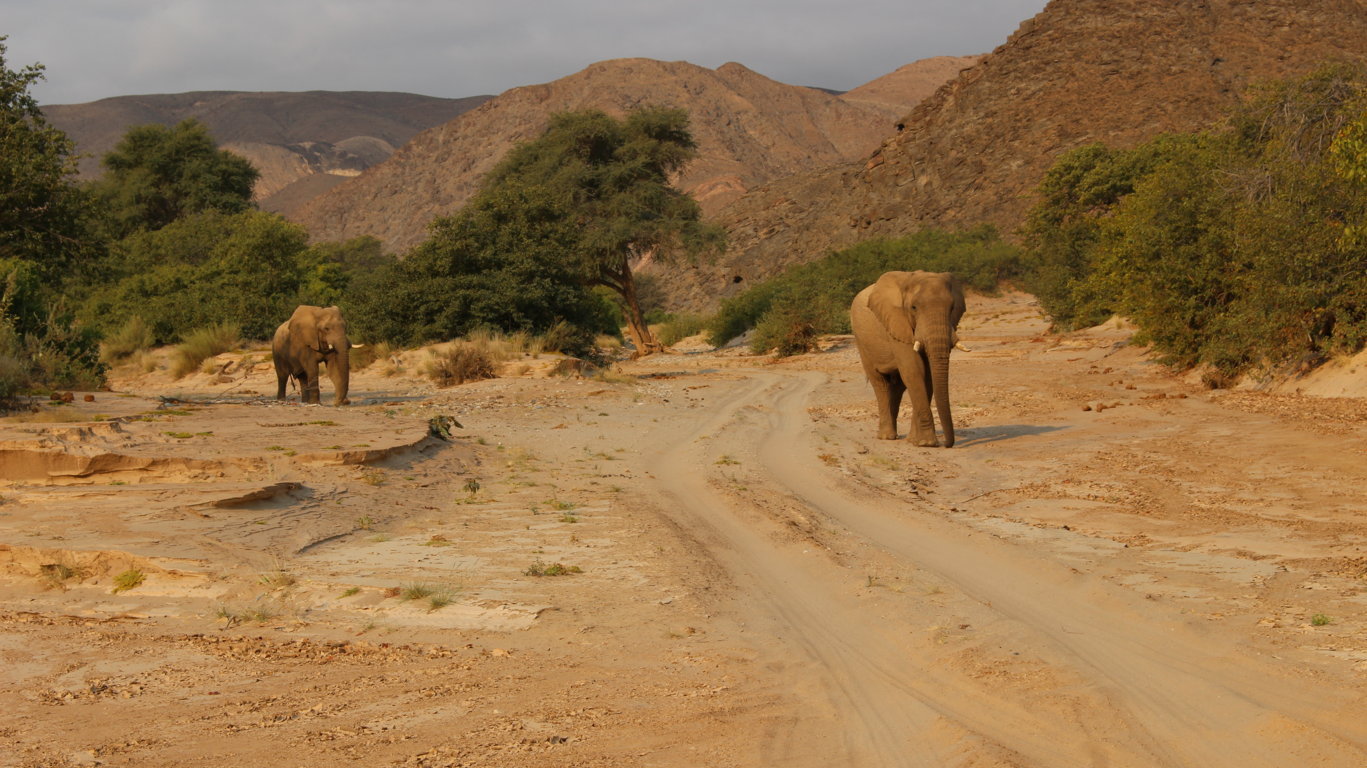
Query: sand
696, 559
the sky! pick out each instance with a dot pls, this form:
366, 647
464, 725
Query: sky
93, 49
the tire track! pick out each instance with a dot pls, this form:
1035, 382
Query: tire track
1157, 694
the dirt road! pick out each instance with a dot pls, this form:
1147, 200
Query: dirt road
704, 560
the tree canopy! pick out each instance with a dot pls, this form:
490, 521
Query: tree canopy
610, 180
156, 174
1237, 247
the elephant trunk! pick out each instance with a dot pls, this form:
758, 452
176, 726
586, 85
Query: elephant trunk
937, 354
339, 370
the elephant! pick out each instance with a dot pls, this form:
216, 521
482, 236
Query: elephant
905, 325
311, 336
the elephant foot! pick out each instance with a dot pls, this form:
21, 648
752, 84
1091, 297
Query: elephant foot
922, 442
888, 435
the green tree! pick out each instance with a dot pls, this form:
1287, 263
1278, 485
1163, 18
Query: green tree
497, 263
44, 215
46, 236
610, 179
249, 269
156, 174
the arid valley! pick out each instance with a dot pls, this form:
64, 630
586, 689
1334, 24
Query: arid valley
701, 558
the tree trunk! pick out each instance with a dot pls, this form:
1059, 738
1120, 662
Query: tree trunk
636, 320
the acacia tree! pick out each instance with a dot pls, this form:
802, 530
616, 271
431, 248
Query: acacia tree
611, 180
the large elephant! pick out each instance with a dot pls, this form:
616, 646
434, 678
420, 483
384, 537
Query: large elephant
904, 327
311, 336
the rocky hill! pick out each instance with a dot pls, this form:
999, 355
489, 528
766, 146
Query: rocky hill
750, 130
909, 85
302, 143
1081, 71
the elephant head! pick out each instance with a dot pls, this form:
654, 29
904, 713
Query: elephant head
329, 340
923, 309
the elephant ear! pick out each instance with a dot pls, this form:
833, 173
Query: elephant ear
886, 302
956, 312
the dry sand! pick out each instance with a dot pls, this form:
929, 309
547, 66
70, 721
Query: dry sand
1114, 567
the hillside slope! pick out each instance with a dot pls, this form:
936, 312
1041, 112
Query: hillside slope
1081, 71
311, 137
750, 129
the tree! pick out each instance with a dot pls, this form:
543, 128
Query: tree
610, 179
155, 175
497, 263
45, 236
44, 215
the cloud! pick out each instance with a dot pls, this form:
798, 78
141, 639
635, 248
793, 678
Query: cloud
95, 48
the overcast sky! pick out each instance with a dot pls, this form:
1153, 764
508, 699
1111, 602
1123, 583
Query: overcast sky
93, 49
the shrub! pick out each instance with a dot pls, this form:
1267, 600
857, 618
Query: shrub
978, 257
788, 329
675, 328
1235, 249
130, 338
202, 344
460, 363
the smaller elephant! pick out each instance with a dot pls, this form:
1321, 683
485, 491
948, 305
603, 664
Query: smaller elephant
904, 328
311, 336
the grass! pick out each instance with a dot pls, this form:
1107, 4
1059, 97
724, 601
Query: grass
1320, 620
365, 522
128, 580
568, 518
372, 477
539, 568
460, 363
351, 591
438, 540
279, 579
132, 337
202, 344
55, 575
437, 597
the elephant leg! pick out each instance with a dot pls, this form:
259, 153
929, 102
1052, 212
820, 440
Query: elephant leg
922, 432
308, 387
282, 378
886, 404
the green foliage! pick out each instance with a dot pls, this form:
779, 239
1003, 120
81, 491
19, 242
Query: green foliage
1235, 248
676, 328
156, 175
609, 179
45, 218
250, 269
45, 238
497, 263
790, 310
202, 344
128, 339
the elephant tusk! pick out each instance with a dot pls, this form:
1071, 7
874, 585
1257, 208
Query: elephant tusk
357, 346
961, 347
917, 345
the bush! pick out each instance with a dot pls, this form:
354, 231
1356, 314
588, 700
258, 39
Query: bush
788, 329
820, 292
675, 328
1234, 249
460, 363
130, 338
202, 344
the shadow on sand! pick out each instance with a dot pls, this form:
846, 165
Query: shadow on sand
966, 438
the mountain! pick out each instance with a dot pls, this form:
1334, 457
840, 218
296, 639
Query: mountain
750, 130
910, 84
302, 143
1081, 71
